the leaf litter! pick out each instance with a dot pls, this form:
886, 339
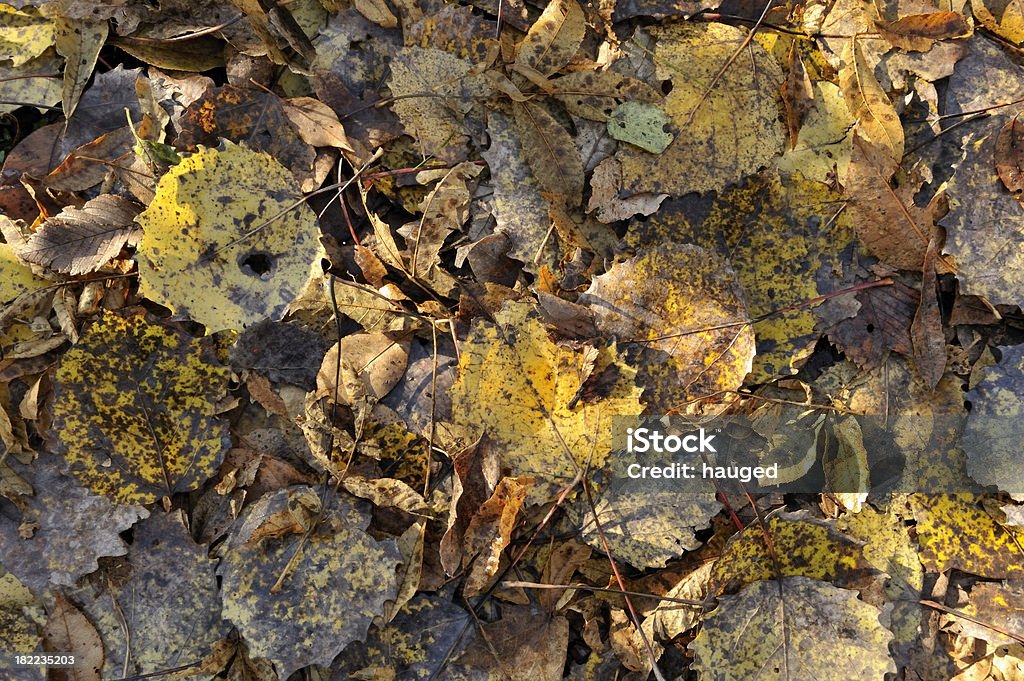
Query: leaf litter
318, 320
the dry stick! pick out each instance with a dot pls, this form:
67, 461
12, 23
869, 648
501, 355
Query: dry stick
584, 587
729, 62
970, 618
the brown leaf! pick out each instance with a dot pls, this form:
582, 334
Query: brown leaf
490, 531
553, 40
926, 330
887, 221
1009, 154
476, 471
918, 32
797, 95
69, 631
376, 11
81, 240
315, 122
85, 166
550, 151
882, 325
371, 365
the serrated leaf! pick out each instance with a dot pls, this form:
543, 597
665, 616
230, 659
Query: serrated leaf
225, 241
134, 410
322, 588
554, 38
792, 628
550, 151
82, 240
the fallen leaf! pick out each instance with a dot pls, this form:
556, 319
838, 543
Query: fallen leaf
134, 407
70, 631
549, 150
82, 240
642, 125
878, 123
21, 615
490, 531
554, 38
926, 332
730, 125
955, 532
918, 32
79, 42
24, 34
882, 325
371, 364
595, 94
227, 221
323, 587
316, 123
702, 346
1009, 155
794, 627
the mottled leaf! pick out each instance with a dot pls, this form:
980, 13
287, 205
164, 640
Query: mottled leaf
79, 42
595, 94
992, 436
21, 615
730, 125
553, 40
517, 385
226, 241
550, 152
24, 34
684, 308
955, 532
792, 628
322, 588
134, 409
1009, 153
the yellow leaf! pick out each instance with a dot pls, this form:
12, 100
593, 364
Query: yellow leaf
24, 34
729, 126
954, 532
224, 241
517, 385
879, 123
134, 408
685, 310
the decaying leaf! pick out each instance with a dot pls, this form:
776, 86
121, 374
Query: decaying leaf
21, 615
523, 645
918, 32
595, 94
792, 628
701, 344
226, 241
322, 587
79, 42
787, 240
179, 614
82, 240
554, 38
369, 365
70, 631
134, 408
516, 385
729, 125
1009, 154
955, 532
490, 530
992, 436
982, 227
641, 125
550, 152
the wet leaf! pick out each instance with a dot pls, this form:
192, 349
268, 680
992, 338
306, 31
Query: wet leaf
793, 628
729, 126
135, 409
227, 221
684, 307
82, 240
515, 384
323, 587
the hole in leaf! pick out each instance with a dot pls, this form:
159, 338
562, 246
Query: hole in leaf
666, 86
257, 264
871, 328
